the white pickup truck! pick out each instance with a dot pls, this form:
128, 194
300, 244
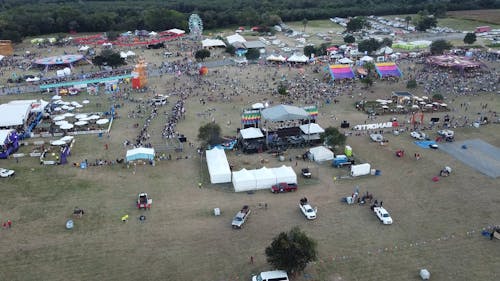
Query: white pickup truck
241, 217
307, 209
382, 214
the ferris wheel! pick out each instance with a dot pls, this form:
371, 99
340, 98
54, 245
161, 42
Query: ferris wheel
195, 25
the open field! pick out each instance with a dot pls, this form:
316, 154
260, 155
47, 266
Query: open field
484, 16
437, 224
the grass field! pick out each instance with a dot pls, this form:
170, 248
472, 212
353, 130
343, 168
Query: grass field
436, 226
482, 16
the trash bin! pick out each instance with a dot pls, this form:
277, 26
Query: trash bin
216, 211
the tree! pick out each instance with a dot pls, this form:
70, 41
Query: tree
407, 20
369, 45
349, 39
304, 23
283, 89
308, 50
437, 97
386, 42
425, 21
252, 54
470, 38
439, 46
112, 35
230, 49
356, 24
368, 81
291, 251
202, 54
108, 57
209, 134
333, 137
411, 84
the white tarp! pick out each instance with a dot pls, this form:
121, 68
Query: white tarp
321, 153
264, 177
12, 114
244, 180
285, 174
218, 167
176, 31
140, 153
251, 133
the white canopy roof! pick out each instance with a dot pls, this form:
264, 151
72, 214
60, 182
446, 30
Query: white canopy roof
264, 177
284, 112
251, 133
285, 174
385, 50
176, 31
3, 135
366, 58
311, 128
276, 58
218, 166
345, 61
244, 180
231, 39
321, 153
298, 58
14, 114
84, 48
258, 105
140, 153
207, 43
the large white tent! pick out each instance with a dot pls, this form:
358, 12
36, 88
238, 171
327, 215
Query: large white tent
298, 58
321, 153
311, 131
244, 180
251, 133
142, 153
13, 114
218, 167
209, 43
264, 178
231, 39
285, 174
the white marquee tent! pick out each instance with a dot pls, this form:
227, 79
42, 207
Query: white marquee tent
218, 167
298, 58
285, 174
231, 39
251, 133
12, 114
264, 178
321, 153
244, 180
208, 43
140, 153
311, 131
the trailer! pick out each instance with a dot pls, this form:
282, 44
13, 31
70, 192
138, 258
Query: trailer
360, 170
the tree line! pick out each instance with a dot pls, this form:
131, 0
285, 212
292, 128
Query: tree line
21, 18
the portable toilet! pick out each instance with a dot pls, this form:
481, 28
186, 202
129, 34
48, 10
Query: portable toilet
348, 151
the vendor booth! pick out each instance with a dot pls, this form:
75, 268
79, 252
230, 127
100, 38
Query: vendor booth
140, 153
320, 154
218, 166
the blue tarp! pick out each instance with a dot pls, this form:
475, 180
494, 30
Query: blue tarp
425, 144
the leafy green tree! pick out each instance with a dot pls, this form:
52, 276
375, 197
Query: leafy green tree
252, 54
386, 41
291, 251
308, 50
356, 24
209, 134
439, 46
437, 97
367, 81
349, 39
470, 38
369, 45
425, 21
283, 89
202, 54
333, 137
108, 57
304, 23
230, 49
407, 21
112, 35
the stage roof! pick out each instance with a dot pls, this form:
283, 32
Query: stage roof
57, 60
284, 112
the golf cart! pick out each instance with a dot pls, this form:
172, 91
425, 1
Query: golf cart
306, 173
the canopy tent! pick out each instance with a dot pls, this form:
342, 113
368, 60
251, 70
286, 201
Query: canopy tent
12, 114
298, 58
251, 133
311, 128
209, 43
385, 51
176, 31
284, 112
279, 58
345, 61
3, 136
258, 105
231, 39
366, 59
341, 71
320, 154
388, 69
140, 153
218, 166
285, 174
264, 178
244, 180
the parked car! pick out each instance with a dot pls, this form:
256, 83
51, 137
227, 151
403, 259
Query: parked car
283, 187
307, 209
241, 217
5, 173
382, 215
306, 173
418, 135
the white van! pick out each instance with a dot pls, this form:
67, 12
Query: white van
277, 275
